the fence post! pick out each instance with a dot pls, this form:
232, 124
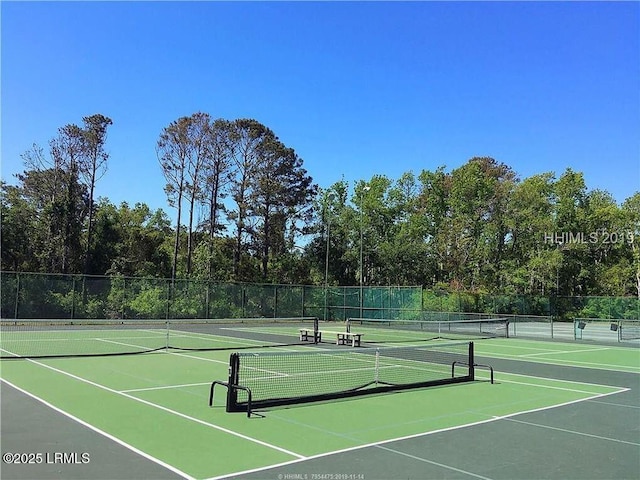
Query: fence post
170, 288
73, 296
275, 301
124, 297
206, 311
17, 295
242, 300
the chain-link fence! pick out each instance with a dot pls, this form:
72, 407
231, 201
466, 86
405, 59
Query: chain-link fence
48, 296
32, 295
443, 301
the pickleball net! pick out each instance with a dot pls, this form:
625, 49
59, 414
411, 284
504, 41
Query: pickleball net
40, 338
606, 329
629, 329
265, 379
380, 330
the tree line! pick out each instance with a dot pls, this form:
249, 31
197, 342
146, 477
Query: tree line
248, 211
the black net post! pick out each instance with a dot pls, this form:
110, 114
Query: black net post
316, 330
232, 393
472, 375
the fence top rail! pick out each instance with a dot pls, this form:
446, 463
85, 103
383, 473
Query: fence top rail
112, 321
605, 320
401, 320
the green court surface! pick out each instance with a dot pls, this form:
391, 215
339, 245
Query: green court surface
572, 397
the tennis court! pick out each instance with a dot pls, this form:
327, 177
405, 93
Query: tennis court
556, 410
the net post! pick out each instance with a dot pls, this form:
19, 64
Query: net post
620, 330
377, 369
472, 375
166, 345
232, 393
316, 330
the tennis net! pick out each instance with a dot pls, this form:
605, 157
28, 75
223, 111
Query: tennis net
629, 329
378, 330
286, 377
606, 329
68, 338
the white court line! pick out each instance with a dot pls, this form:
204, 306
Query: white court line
550, 387
164, 350
441, 465
202, 359
177, 354
10, 353
564, 363
157, 333
164, 387
170, 353
547, 379
101, 432
67, 339
615, 404
573, 432
417, 435
562, 352
212, 336
510, 345
168, 410
225, 362
78, 339
106, 340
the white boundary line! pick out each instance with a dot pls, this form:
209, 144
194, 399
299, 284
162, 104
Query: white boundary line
611, 404
441, 465
155, 334
417, 435
101, 432
551, 387
566, 363
563, 352
573, 432
164, 387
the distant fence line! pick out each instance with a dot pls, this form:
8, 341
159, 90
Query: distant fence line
37, 295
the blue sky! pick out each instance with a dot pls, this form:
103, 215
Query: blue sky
357, 89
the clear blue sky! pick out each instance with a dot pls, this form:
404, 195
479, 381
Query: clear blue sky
356, 89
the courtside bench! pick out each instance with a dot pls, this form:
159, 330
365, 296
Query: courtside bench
307, 334
342, 338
